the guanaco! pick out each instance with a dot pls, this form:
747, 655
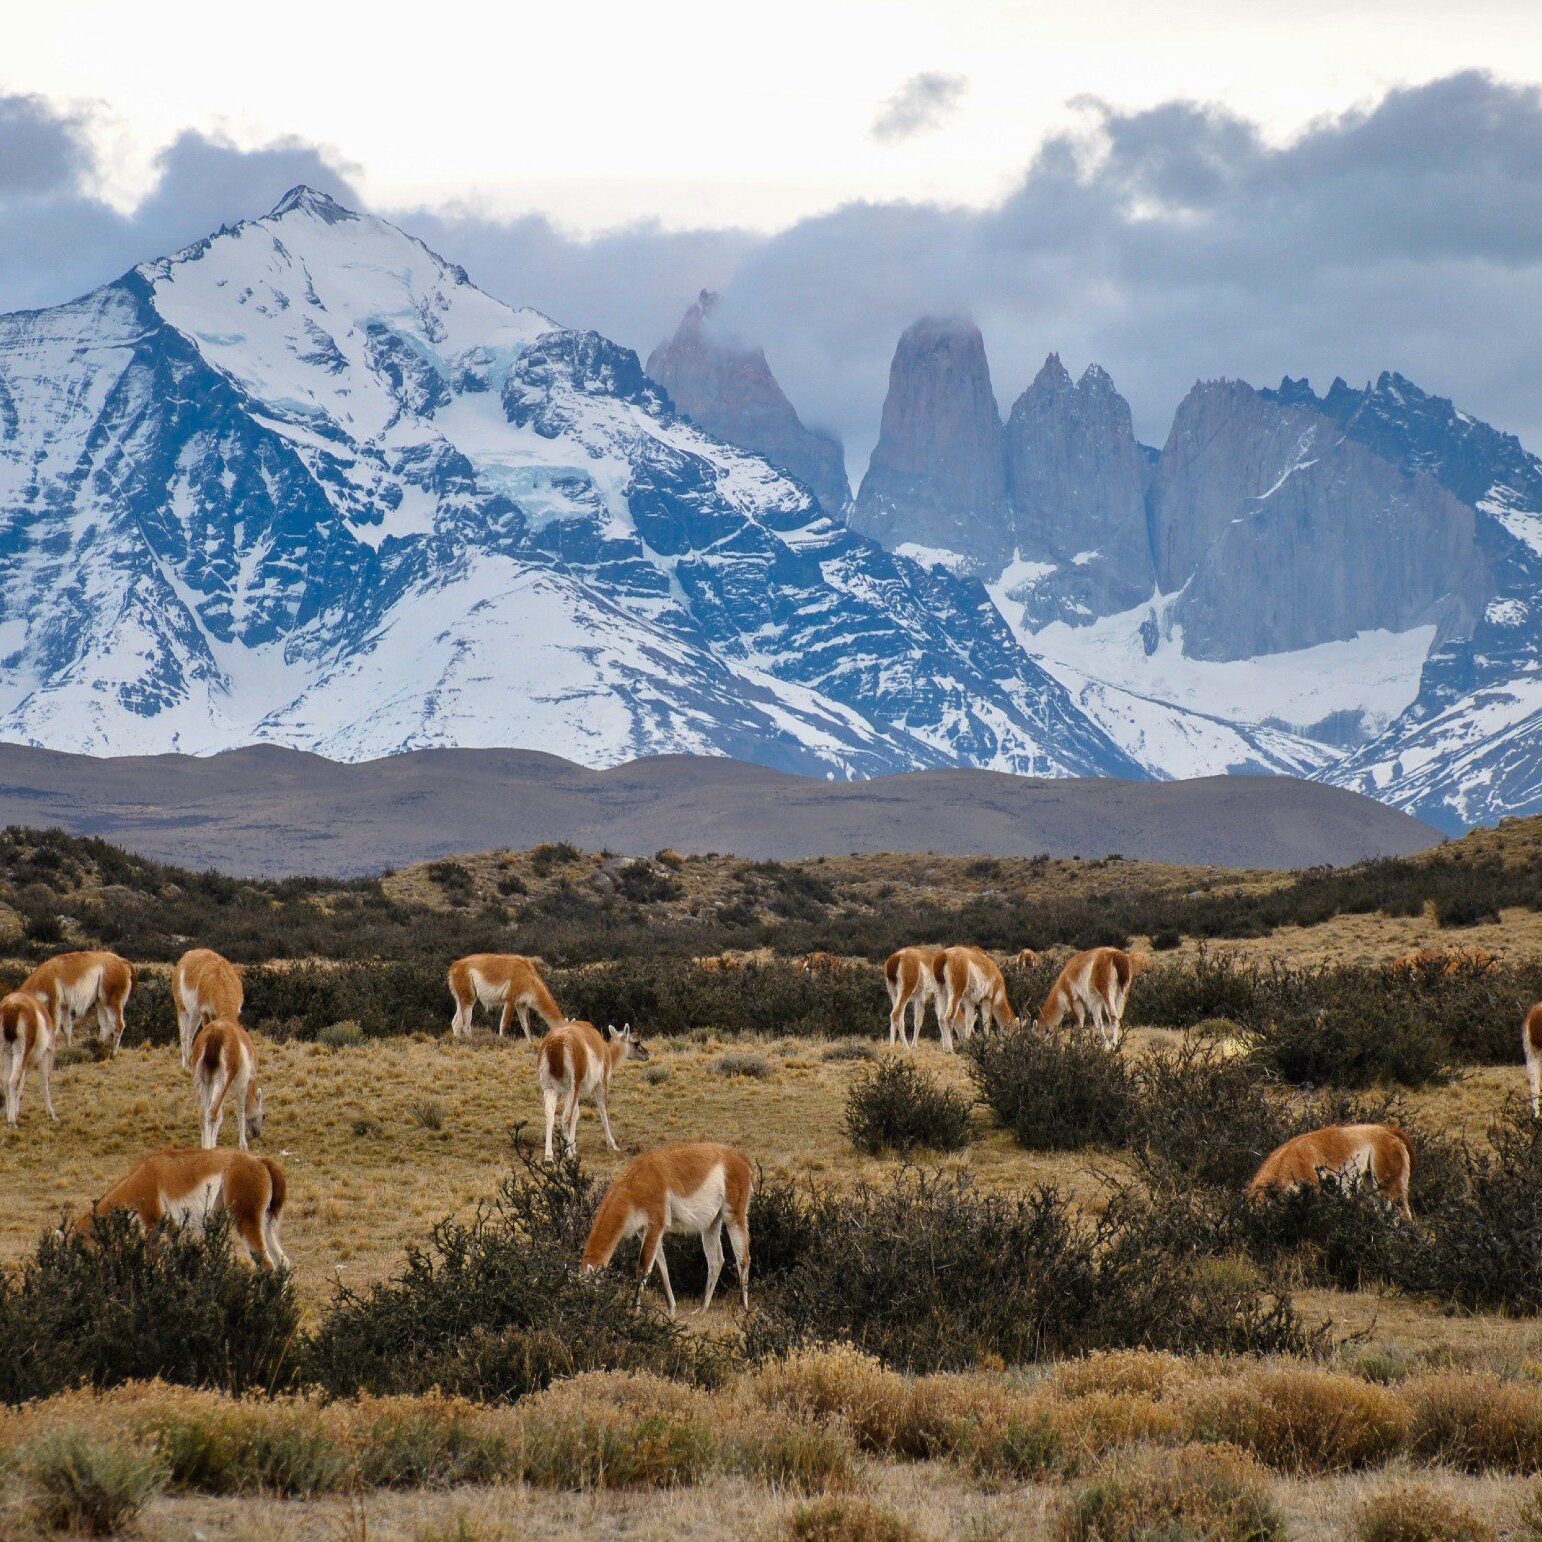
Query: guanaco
185, 1186
1342, 1151
27, 1042
205, 987
908, 975
224, 1061
969, 984
72, 984
575, 1061
1095, 985
508, 980
695, 1188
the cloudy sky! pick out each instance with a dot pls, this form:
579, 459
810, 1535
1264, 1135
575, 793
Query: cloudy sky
1175, 188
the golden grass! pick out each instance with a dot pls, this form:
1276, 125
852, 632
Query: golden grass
617, 1454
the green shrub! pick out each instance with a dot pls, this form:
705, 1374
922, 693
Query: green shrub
897, 1107
1482, 1247
1054, 1091
926, 1273
1206, 1113
85, 1484
94, 1311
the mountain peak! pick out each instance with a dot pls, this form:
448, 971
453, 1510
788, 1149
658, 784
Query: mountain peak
308, 200
1052, 376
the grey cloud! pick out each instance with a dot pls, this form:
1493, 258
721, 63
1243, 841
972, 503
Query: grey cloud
924, 102
1168, 244
41, 149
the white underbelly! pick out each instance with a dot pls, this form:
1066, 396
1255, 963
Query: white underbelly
696, 1212
193, 1208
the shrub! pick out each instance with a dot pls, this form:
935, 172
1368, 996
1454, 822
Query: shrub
1483, 1246
347, 1035
612, 1431
428, 1115
285, 1448
1206, 1113
790, 1454
1150, 1374
853, 1049
1302, 1420
1476, 1422
1415, 1512
846, 1520
926, 1273
1192, 1492
897, 1107
93, 1311
1054, 1091
494, 1307
1343, 1026
428, 1443
85, 1484
820, 1384
743, 1063
1457, 910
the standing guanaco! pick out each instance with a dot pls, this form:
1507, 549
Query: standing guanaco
575, 1061
696, 1188
204, 986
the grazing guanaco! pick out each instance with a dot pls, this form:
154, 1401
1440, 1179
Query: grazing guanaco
1026, 958
224, 1061
908, 975
1095, 985
205, 986
511, 981
695, 1188
969, 984
823, 963
1450, 962
1381, 1151
1531, 1044
72, 984
575, 1061
185, 1186
27, 1042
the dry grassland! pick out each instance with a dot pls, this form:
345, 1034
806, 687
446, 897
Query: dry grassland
369, 1172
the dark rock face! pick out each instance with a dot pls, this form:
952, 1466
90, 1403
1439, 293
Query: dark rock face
937, 477
731, 392
1076, 480
1282, 532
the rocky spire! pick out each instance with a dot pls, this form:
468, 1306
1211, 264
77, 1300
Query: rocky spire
937, 477
730, 391
1075, 479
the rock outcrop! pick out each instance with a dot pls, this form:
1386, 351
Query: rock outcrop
1076, 482
729, 391
1283, 532
937, 477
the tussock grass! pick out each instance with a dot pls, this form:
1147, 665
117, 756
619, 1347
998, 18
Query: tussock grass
847, 1520
81, 1483
1478, 1423
1215, 1493
1302, 1420
1416, 1512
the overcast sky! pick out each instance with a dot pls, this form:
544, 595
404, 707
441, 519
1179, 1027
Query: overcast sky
1175, 188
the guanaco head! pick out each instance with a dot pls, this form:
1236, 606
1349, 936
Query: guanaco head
633, 1046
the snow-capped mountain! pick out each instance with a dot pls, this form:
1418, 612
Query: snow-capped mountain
1347, 587
305, 483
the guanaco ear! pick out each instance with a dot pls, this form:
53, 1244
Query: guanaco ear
612, 1032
